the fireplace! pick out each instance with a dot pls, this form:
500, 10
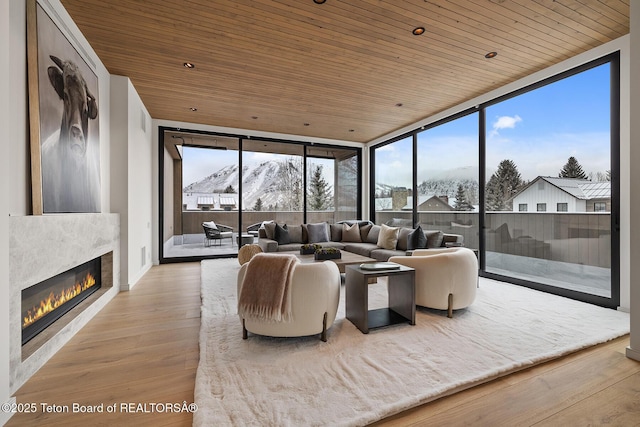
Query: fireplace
47, 301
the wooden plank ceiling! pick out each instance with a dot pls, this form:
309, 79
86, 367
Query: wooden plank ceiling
346, 70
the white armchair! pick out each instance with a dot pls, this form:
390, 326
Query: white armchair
446, 279
315, 294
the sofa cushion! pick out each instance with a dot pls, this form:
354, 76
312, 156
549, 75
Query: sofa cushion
335, 232
385, 254
295, 233
318, 233
281, 234
288, 247
373, 235
351, 233
388, 238
416, 239
434, 238
403, 236
363, 249
337, 245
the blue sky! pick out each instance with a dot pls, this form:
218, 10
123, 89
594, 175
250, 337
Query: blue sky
538, 130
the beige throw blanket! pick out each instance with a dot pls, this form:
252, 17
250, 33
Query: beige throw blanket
265, 293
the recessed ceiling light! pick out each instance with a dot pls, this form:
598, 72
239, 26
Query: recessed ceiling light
352, 130
319, 1
189, 65
418, 31
306, 124
399, 104
491, 55
193, 109
254, 117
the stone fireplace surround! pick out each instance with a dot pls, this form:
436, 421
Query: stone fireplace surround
42, 246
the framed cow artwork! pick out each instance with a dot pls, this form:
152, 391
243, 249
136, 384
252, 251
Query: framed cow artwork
64, 120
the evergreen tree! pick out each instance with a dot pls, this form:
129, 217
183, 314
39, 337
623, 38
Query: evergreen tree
229, 189
258, 205
502, 186
462, 201
572, 169
319, 194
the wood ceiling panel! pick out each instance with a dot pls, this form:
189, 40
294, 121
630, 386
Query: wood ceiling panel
340, 67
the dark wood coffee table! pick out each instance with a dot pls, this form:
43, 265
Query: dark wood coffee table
402, 297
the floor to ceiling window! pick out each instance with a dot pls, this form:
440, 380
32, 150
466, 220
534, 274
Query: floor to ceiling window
332, 184
548, 184
392, 183
447, 172
236, 182
547, 158
206, 189
273, 182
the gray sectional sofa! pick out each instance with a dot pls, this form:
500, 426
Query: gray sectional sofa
278, 238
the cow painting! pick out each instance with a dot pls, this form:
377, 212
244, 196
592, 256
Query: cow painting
70, 164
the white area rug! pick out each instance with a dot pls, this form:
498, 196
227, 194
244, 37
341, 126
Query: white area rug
356, 379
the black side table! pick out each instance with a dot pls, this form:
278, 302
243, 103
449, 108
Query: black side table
402, 297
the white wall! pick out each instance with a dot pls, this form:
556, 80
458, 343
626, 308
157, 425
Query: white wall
139, 186
15, 169
131, 178
633, 351
5, 123
551, 195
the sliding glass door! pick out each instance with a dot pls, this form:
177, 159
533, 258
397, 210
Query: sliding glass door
233, 183
549, 184
447, 172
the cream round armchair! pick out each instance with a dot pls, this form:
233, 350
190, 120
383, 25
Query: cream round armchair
446, 279
315, 294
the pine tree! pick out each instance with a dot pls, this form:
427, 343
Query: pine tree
462, 201
502, 186
229, 189
258, 205
319, 194
572, 169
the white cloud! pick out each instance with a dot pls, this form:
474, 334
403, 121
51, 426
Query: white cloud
505, 122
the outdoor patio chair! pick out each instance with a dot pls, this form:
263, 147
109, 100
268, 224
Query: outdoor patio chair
213, 232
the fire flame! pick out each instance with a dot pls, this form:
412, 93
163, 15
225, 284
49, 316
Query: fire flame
54, 301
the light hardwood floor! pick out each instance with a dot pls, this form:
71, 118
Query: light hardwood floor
143, 348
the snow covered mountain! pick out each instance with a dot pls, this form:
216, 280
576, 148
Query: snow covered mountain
443, 183
260, 181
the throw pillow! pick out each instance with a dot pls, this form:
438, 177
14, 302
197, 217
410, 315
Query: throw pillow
373, 235
318, 232
416, 239
403, 235
295, 234
335, 232
351, 233
211, 224
270, 228
364, 231
281, 235
388, 238
434, 238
